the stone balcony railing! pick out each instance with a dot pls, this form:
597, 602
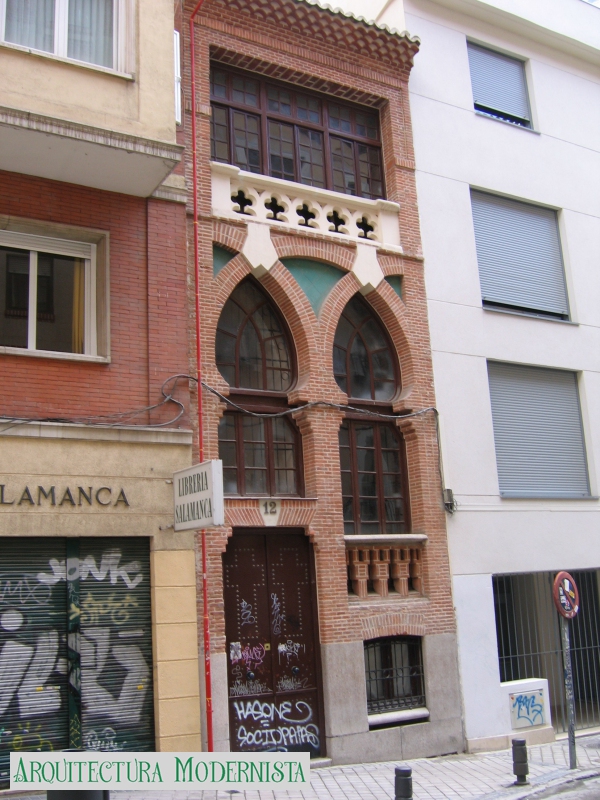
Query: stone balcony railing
378, 566
245, 196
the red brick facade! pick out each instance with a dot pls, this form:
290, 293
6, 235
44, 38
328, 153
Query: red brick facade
276, 45
148, 295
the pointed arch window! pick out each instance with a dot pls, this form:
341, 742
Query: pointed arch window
372, 453
252, 350
363, 364
254, 353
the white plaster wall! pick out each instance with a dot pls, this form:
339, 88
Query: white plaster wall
557, 165
486, 712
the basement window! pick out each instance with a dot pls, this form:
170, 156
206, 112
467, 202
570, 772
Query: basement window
394, 674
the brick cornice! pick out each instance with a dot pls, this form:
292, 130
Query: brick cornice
324, 25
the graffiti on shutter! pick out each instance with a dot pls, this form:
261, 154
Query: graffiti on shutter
33, 653
75, 646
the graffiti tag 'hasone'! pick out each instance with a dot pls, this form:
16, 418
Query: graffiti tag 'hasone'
33, 664
277, 726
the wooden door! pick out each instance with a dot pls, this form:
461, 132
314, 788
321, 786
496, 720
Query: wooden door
272, 644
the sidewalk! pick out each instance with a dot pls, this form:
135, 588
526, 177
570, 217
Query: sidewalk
485, 776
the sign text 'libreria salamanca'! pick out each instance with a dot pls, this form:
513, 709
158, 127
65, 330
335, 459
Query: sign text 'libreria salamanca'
97, 770
198, 496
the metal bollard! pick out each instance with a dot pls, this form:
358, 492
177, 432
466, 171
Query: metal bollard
403, 787
520, 765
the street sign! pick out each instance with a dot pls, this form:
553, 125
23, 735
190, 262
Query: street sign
566, 595
566, 600
198, 496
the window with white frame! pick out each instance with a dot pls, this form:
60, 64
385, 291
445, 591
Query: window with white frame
538, 432
47, 295
499, 85
519, 256
84, 30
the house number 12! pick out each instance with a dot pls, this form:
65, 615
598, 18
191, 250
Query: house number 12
270, 510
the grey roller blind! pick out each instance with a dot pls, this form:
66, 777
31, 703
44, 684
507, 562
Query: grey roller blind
498, 83
540, 450
519, 254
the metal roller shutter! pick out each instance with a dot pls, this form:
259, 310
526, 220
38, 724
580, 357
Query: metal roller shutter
116, 644
75, 646
33, 648
540, 449
498, 82
519, 255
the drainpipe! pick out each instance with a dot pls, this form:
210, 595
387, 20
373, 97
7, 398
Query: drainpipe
206, 621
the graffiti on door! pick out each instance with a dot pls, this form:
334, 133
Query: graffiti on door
113, 675
279, 725
274, 701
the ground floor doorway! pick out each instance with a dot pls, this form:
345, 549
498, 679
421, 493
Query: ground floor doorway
75, 645
273, 660
529, 641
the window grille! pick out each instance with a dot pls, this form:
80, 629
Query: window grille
394, 674
499, 85
529, 641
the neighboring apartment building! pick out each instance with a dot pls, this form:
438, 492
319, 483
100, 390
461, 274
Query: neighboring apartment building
97, 595
505, 103
329, 589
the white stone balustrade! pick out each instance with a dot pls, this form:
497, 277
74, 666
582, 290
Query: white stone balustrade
327, 207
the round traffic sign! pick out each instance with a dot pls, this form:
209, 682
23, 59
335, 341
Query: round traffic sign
566, 595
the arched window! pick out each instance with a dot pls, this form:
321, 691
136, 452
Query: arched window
261, 455
372, 458
362, 356
251, 348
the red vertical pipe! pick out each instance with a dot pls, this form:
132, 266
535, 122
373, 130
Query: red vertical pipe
208, 683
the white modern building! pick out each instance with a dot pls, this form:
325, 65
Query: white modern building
505, 103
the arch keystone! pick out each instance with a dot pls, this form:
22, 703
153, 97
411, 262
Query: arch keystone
259, 249
366, 268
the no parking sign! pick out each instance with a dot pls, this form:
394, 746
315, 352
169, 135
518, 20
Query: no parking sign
566, 595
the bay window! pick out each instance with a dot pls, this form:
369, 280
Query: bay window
272, 129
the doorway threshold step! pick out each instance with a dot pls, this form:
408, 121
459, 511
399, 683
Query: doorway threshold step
319, 763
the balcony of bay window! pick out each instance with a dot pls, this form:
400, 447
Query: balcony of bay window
292, 158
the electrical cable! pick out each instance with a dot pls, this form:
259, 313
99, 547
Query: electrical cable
123, 418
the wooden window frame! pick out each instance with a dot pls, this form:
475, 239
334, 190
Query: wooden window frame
348, 359
352, 420
323, 127
288, 340
264, 407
